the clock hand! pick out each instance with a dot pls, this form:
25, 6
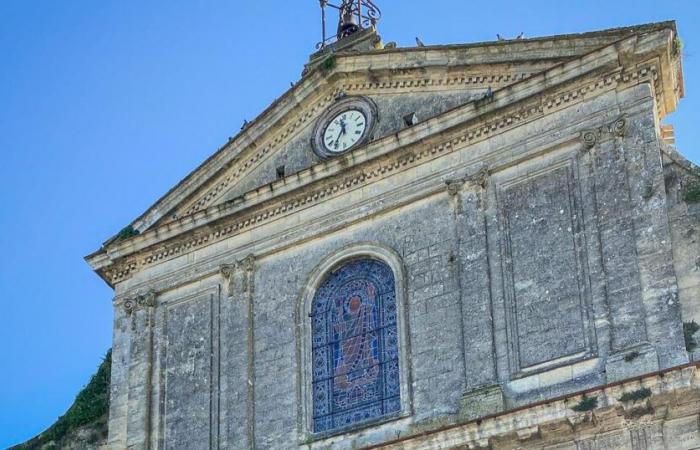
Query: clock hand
335, 144
342, 132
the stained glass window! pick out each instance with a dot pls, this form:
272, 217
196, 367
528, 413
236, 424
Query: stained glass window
355, 347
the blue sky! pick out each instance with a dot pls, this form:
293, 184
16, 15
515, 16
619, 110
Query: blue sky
105, 105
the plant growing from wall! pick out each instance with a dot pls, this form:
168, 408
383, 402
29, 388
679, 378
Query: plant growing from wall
126, 233
677, 47
635, 396
328, 64
689, 329
586, 404
691, 192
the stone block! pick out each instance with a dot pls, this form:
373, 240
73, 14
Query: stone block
631, 362
481, 402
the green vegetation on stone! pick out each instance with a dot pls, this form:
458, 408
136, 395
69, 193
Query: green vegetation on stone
689, 329
677, 46
127, 232
90, 407
639, 394
586, 404
691, 192
328, 64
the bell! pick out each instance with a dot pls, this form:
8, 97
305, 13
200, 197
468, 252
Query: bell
348, 23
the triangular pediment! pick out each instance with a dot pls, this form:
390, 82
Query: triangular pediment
447, 87
426, 81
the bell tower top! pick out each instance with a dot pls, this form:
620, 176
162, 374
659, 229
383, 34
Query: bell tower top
353, 16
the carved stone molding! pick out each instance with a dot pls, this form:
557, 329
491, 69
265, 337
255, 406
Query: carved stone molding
227, 271
141, 301
378, 169
589, 138
242, 270
479, 178
454, 186
618, 127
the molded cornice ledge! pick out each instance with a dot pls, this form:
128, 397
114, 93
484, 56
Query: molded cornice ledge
599, 62
436, 57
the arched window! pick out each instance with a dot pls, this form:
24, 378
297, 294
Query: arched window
355, 347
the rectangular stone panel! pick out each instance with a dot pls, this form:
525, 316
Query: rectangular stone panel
544, 287
188, 374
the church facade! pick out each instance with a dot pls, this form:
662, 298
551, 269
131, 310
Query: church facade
489, 245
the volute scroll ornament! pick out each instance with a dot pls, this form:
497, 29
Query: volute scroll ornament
141, 301
589, 139
618, 127
129, 305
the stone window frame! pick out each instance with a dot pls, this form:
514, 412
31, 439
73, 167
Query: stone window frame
304, 336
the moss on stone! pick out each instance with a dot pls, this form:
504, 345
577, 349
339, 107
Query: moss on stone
586, 404
126, 233
328, 64
689, 329
634, 396
691, 192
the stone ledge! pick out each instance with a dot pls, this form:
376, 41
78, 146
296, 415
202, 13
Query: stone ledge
482, 402
535, 422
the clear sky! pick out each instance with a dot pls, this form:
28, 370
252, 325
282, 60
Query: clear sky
105, 105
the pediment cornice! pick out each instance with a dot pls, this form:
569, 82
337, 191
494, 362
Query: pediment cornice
509, 107
480, 65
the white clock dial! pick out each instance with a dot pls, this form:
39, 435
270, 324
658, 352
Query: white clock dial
344, 130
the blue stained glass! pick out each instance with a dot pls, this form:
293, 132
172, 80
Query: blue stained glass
355, 346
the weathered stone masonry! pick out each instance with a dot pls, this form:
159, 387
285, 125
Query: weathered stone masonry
532, 218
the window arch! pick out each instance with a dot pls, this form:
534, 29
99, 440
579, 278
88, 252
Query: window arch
355, 354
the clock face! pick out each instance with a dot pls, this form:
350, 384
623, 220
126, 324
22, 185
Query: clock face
344, 126
344, 131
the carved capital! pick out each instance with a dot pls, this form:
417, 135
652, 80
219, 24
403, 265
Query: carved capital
227, 272
618, 127
589, 138
454, 186
129, 305
147, 300
140, 301
480, 177
243, 269
248, 263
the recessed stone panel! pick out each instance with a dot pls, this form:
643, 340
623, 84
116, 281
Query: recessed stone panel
188, 374
543, 263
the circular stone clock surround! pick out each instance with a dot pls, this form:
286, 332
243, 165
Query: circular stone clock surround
363, 105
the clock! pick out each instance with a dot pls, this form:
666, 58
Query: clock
344, 126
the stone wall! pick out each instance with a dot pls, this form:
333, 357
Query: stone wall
535, 263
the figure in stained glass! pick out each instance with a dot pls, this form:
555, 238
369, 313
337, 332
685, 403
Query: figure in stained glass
355, 349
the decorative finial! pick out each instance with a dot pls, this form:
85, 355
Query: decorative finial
353, 16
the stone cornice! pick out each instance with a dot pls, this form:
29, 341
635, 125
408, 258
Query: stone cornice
362, 83
301, 96
510, 107
523, 422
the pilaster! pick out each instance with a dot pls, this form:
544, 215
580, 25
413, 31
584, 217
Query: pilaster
140, 314
237, 418
468, 198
